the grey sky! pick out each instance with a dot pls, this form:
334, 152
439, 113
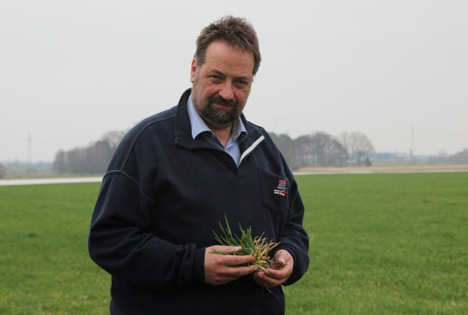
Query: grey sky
71, 71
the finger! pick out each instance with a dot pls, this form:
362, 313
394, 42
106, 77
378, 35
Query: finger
283, 257
283, 267
226, 249
231, 260
279, 274
240, 271
238, 260
229, 274
276, 265
263, 280
218, 273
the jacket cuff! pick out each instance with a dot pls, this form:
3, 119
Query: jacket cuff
199, 266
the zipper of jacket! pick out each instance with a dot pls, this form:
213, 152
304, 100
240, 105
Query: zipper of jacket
251, 148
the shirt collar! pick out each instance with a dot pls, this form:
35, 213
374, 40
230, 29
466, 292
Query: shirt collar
199, 126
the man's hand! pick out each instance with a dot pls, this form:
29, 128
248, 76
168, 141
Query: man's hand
221, 269
278, 273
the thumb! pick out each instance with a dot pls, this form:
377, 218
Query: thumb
282, 257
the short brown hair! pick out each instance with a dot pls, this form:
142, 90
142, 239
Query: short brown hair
235, 32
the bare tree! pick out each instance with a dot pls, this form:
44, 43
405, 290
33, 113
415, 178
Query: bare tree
113, 138
459, 158
337, 154
319, 149
60, 162
89, 160
327, 150
304, 150
357, 145
3, 171
286, 146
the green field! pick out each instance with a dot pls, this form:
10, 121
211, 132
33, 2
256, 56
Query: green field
380, 244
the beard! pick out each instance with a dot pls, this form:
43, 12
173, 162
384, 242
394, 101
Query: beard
217, 116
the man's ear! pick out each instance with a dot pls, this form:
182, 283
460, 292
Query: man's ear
193, 70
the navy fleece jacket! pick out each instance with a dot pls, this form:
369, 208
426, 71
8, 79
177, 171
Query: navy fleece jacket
163, 195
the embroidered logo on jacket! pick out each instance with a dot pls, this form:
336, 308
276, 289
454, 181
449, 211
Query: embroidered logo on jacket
281, 189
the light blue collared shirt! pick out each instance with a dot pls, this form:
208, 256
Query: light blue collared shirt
199, 128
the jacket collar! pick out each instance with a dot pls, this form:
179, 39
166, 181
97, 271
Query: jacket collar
182, 121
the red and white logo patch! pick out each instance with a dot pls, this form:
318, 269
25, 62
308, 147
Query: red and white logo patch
281, 189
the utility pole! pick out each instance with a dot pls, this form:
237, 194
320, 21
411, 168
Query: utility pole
412, 142
29, 148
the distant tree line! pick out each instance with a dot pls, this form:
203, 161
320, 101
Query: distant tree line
317, 149
88, 160
457, 158
3, 171
323, 150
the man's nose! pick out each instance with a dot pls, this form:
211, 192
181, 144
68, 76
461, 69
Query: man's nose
226, 91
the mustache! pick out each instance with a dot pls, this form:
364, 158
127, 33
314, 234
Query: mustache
219, 100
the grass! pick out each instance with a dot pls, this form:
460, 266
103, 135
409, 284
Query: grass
380, 244
44, 263
385, 244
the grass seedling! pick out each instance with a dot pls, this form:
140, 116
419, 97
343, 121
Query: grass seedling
257, 247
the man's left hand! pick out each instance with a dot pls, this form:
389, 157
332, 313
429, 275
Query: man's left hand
278, 272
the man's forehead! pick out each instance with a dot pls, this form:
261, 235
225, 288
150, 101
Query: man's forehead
222, 57
220, 44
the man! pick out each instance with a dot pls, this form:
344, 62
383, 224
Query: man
177, 174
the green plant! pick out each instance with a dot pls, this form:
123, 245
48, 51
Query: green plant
257, 247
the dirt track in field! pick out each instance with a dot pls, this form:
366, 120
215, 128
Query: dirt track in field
386, 169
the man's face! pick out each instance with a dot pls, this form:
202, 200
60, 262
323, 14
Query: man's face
222, 84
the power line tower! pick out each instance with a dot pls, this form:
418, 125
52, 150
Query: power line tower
29, 148
412, 141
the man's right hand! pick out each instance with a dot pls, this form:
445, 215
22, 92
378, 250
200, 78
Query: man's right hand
221, 269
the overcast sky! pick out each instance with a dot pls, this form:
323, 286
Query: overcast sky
71, 71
